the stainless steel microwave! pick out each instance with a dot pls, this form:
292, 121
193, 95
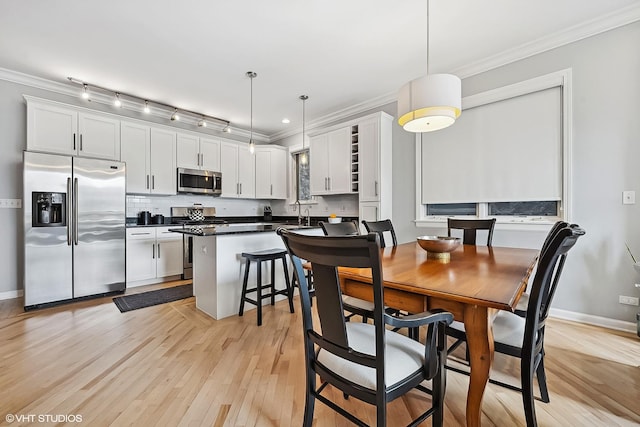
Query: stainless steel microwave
199, 181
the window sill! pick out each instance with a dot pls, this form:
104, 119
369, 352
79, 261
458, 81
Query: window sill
502, 223
303, 202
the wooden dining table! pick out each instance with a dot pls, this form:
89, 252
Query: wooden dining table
473, 285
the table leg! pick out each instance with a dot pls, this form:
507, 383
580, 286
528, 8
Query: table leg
480, 344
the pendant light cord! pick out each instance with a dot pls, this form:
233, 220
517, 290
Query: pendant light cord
428, 31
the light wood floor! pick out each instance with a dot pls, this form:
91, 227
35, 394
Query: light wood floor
172, 365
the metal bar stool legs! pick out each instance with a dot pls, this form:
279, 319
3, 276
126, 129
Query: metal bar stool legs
260, 256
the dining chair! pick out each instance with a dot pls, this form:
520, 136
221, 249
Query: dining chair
470, 228
523, 302
381, 227
363, 360
524, 337
351, 304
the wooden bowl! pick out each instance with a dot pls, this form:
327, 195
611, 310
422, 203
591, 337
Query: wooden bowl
439, 247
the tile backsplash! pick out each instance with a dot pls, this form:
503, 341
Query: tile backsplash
224, 207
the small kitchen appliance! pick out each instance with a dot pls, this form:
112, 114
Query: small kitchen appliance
267, 214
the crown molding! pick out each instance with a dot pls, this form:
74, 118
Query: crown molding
619, 18
339, 115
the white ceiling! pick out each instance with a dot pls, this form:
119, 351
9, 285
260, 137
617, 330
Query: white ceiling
194, 53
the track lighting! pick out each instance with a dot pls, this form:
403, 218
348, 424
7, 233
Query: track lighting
199, 119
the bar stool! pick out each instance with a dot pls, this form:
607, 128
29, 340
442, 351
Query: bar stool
260, 256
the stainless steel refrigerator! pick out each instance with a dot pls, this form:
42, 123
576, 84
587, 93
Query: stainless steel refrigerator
74, 228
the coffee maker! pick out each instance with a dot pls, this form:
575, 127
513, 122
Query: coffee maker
48, 209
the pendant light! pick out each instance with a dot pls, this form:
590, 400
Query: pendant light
252, 145
303, 156
431, 102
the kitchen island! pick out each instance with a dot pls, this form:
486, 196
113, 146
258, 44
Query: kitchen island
218, 266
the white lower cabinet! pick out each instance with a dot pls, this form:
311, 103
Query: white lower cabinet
152, 253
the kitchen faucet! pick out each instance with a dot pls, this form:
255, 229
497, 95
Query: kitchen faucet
308, 217
299, 212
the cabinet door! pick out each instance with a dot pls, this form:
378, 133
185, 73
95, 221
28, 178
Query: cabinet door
141, 254
369, 162
278, 173
229, 169
246, 172
318, 164
187, 151
163, 162
264, 187
51, 129
169, 256
339, 151
210, 154
99, 136
135, 142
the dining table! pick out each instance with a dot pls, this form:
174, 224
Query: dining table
473, 284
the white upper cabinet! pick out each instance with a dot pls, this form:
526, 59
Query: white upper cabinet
150, 157
271, 172
330, 166
194, 152
238, 169
56, 128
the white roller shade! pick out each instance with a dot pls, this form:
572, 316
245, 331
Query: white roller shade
505, 151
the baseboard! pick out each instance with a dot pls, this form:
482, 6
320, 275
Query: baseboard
11, 294
589, 319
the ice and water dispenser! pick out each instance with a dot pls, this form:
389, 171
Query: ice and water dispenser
48, 209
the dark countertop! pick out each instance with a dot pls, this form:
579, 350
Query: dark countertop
248, 220
218, 230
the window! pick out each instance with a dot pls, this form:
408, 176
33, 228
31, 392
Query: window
507, 155
303, 189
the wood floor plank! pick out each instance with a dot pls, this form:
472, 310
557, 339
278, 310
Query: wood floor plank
172, 365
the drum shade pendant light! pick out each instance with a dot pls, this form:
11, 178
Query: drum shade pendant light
431, 102
252, 145
303, 156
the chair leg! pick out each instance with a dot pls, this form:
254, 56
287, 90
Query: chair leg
528, 400
440, 382
310, 400
259, 291
285, 270
542, 380
273, 282
244, 287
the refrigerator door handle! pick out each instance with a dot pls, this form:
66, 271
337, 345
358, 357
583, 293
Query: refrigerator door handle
68, 213
75, 211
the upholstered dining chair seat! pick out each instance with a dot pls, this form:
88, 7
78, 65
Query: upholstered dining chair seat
403, 356
354, 302
508, 328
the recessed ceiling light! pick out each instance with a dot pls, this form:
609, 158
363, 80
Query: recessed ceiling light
286, 121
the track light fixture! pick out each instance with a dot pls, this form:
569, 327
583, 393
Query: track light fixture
201, 120
85, 92
252, 145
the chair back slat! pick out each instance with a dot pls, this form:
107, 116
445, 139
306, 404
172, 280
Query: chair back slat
470, 227
347, 228
381, 227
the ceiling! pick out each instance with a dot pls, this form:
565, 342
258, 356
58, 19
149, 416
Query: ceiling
194, 54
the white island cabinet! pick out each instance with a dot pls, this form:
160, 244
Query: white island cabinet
218, 269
